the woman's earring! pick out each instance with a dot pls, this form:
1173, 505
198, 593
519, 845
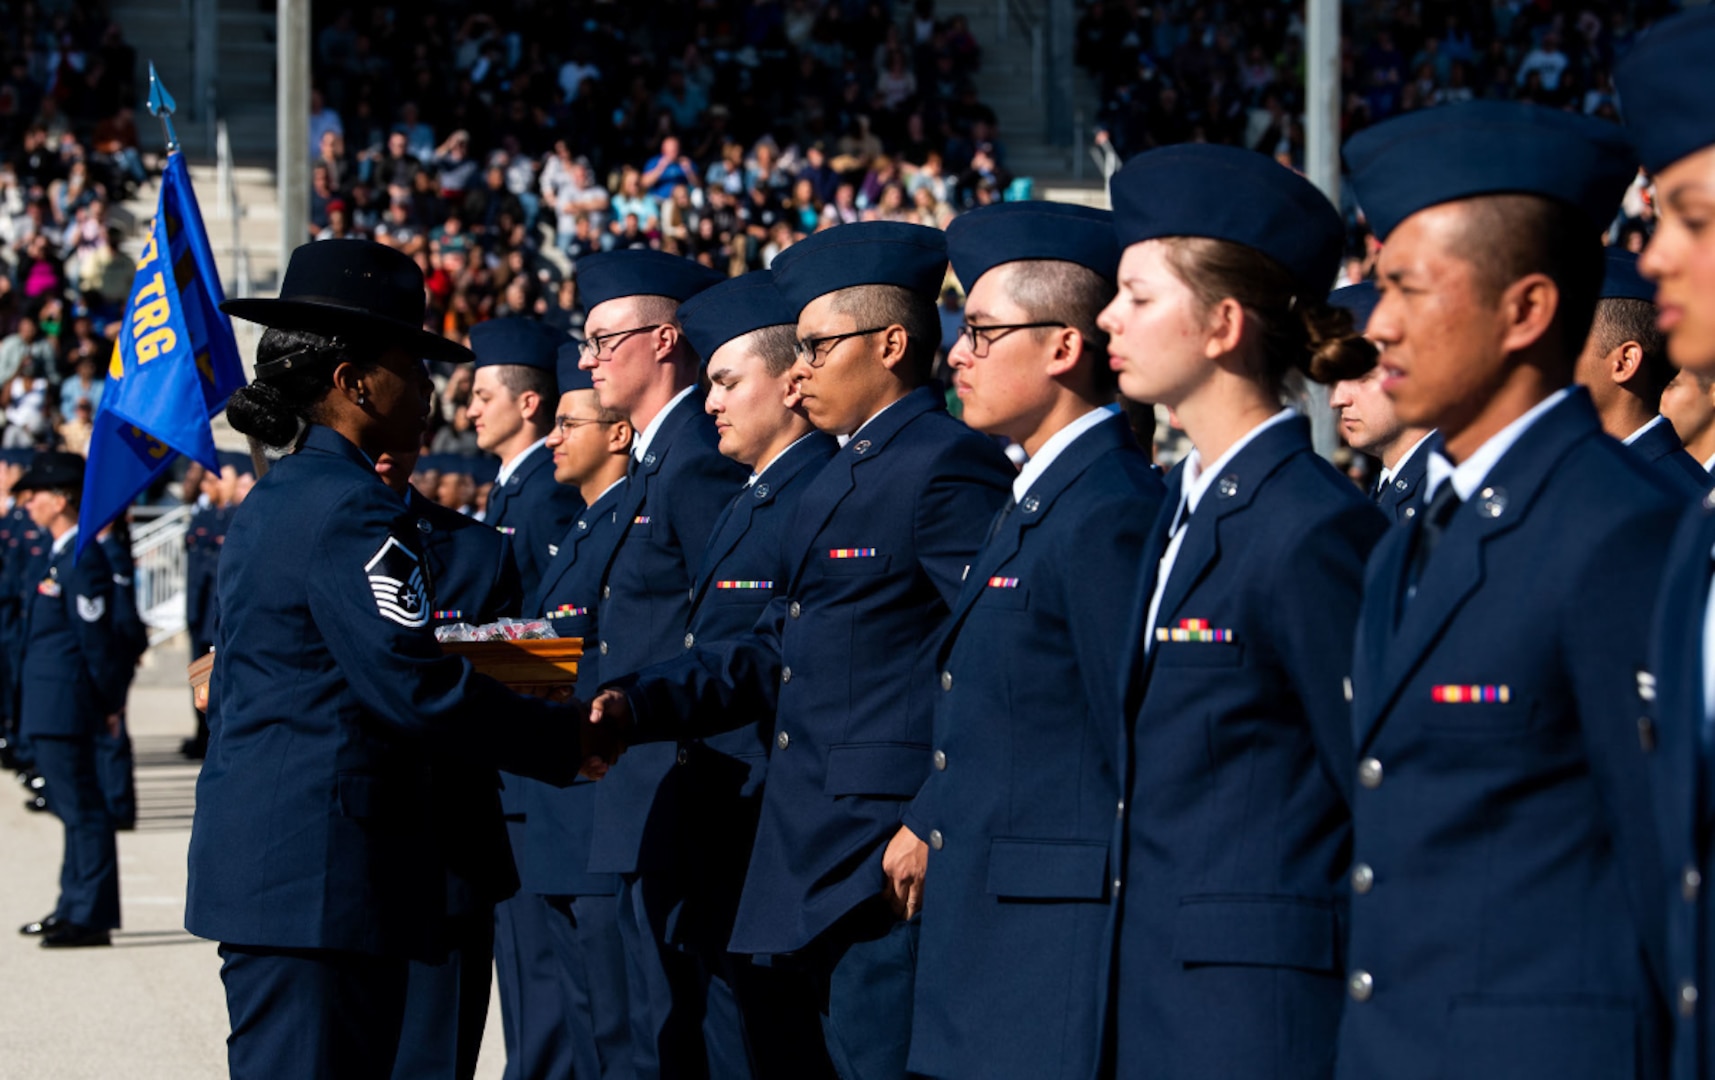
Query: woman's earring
361, 399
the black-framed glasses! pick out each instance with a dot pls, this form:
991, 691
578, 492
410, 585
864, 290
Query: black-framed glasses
982, 338
816, 350
598, 344
565, 425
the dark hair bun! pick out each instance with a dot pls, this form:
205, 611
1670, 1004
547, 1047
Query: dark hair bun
260, 411
1336, 351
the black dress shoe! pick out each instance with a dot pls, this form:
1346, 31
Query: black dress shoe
36, 803
73, 936
40, 926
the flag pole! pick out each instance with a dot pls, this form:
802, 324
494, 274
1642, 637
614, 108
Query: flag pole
162, 106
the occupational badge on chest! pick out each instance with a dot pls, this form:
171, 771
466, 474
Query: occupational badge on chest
396, 578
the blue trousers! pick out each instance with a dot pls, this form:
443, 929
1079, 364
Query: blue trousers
591, 963
866, 966
533, 1016
89, 869
117, 769
311, 1013
684, 1016
446, 1004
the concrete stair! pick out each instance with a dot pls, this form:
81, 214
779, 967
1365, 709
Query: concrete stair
1007, 85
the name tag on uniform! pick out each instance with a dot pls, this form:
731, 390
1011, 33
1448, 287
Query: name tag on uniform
49, 587
1470, 695
744, 584
1193, 630
851, 553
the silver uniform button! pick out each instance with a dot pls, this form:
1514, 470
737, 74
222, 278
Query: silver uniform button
1370, 773
1363, 878
684, 755
782, 740
794, 610
939, 757
690, 639
1119, 811
606, 592
936, 839
1687, 1000
785, 675
1360, 986
604, 648
1690, 884
1116, 884
946, 680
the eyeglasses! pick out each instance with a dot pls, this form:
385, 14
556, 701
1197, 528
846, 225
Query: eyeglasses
816, 350
595, 346
565, 425
982, 338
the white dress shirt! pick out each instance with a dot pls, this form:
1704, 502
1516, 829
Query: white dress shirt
517, 461
1193, 484
1053, 448
1468, 476
1388, 474
844, 439
1641, 432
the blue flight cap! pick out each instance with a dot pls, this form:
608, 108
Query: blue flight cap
732, 309
1359, 299
1240, 196
615, 274
571, 377
989, 236
514, 340
1666, 84
1434, 156
912, 257
1621, 280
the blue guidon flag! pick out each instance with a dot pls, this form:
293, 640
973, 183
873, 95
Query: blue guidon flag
173, 368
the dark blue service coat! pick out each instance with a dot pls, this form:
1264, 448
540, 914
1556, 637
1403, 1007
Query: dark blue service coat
1236, 749
671, 504
314, 825
75, 665
1507, 909
844, 659
1676, 739
1020, 801
1403, 497
1668, 459
556, 855
535, 511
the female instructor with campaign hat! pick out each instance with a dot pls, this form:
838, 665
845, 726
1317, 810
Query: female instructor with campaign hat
312, 858
1667, 83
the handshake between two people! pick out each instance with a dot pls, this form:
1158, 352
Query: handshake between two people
603, 730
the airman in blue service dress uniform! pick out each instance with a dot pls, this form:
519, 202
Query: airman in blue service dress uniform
747, 332
114, 760
590, 448
643, 366
1016, 817
1371, 426
1625, 367
1668, 83
446, 1003
313, 856
1506, 914
72, 677
1231, 841
513, 395
874, 559
19, 537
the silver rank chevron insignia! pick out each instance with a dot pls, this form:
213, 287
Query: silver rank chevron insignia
396, 576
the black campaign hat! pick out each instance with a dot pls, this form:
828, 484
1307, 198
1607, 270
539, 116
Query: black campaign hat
352, 287
53, 470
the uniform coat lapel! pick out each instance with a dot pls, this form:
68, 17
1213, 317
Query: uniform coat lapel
735, 522
1397, 647
837, 480
571, 547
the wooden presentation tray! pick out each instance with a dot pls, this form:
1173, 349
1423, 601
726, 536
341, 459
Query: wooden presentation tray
534, 666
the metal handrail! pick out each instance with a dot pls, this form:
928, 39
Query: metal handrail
158, 550
230, 208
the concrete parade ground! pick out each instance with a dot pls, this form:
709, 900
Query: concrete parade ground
151, 1006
